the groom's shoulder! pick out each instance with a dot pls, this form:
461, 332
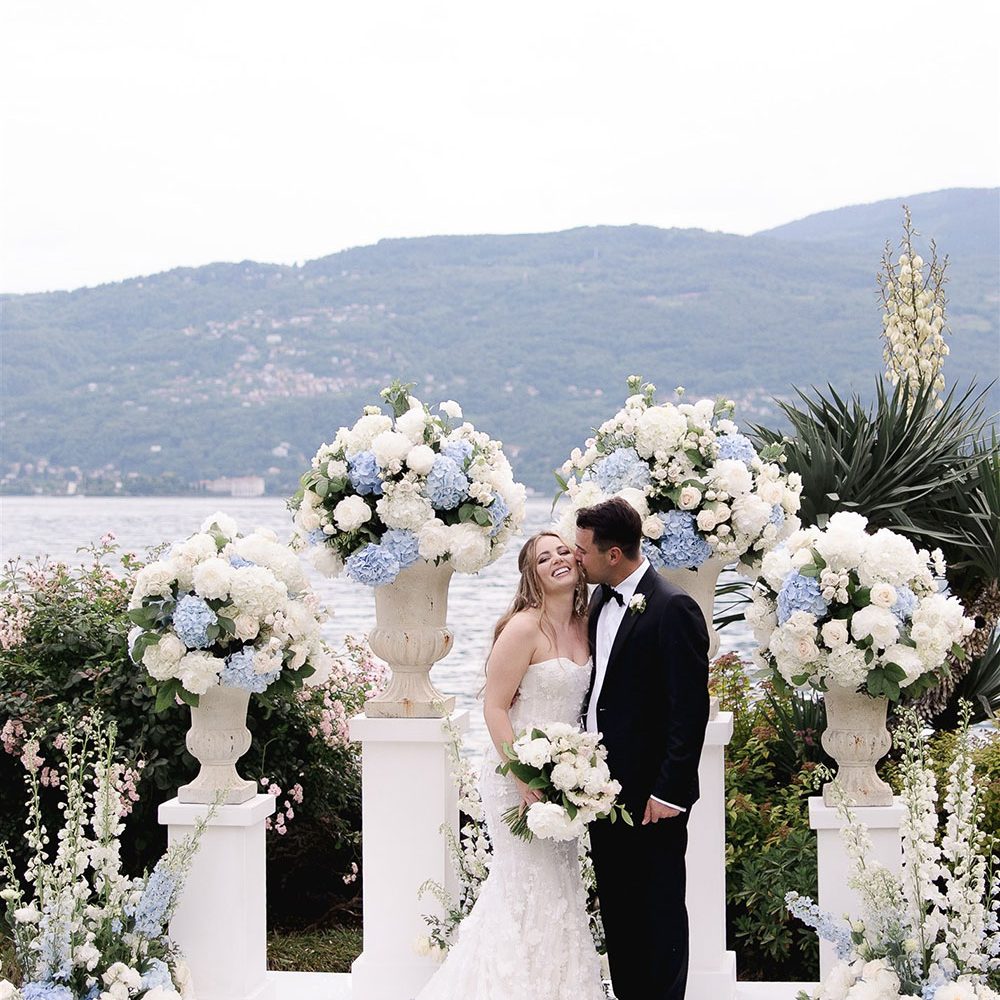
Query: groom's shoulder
670, 595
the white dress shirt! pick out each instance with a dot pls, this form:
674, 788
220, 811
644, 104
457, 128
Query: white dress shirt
609, 620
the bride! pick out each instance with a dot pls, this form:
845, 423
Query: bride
528, 935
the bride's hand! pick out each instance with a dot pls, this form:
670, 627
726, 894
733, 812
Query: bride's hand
529, 796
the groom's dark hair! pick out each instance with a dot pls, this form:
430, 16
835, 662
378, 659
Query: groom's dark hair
613, 522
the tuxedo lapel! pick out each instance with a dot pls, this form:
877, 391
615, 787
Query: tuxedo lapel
631, 617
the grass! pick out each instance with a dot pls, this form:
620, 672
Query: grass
329, 950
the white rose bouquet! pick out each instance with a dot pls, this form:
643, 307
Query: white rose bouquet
394, 489
700, 486
80, 928
230, 609
839, 606
569, 768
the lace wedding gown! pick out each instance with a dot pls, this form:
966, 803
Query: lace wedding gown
527, 937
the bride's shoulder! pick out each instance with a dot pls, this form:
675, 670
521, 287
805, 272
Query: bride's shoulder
524, 623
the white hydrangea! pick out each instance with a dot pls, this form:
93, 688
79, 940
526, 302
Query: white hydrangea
635, 499
223, 522
155, 580
261, 547
256, 591
659, 429
450, 408
404, 506
390, 449
212, 578
360, 437
413, 424
888, 558
845, 666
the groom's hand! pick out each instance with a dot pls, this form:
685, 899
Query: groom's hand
656, 811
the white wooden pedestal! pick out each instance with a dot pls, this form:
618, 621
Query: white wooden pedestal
835, 895
408, 794
712, 971
221, 923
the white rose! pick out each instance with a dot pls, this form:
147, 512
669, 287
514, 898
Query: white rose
835, 633
8, 991
351, 513
198, 671
390, 450
706, 520
652, 527
307, 517
878, 623
161, 659
883, 595
450, 408
421, 459
212, 578
690, 497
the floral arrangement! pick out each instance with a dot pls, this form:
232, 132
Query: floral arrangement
930, 932
702, 489
81, 929
394, 489
226, 609
839, 606
569, 768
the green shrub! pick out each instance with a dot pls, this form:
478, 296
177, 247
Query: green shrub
63, 643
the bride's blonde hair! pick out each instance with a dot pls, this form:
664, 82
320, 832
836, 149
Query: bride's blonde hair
529, 592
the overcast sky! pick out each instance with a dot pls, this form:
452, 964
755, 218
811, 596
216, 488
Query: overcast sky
140, 136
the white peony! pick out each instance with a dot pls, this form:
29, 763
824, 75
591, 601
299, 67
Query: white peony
161, 659
412, 424
119, 972
550, 821
390, 449
534, 753
956, 991
351, 513
434, 539
8, 991
564, 776
223, 522
450, 408
842, 544
421, 459
360, 436
198, 671
636, 499
878, 623
659, 429
161, 993
327, 560
731, 476
469, 546
155, 580
751, 514
907, 658
212, 578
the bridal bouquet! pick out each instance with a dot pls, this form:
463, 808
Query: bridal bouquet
569, 768
80, 928
394, 489
230, 609
839, 606
702, 489
930, 932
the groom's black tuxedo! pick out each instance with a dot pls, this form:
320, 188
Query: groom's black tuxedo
652, 710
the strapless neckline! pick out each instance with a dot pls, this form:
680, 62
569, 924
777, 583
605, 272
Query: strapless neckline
562, 659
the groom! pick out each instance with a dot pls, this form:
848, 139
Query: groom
649, 697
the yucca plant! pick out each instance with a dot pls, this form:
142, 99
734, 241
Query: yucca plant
980, 686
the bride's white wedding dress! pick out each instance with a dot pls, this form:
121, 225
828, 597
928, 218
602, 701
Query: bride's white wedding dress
527, 937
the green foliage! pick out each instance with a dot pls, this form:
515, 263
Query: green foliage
63, 643
981, 683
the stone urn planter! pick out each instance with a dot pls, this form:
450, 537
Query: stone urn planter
218, 737
700, 584
411, 635
857, 739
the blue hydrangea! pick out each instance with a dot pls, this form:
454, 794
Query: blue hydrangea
151, 911
447, 484
736, 447
46, 991
459, 451
777, 517
403, 545
317, 537
652, 552
239, 673
621, 469
681, 547
372, 565
906, 604
498, 511
800, 593
238, 562
192, 618
94, 993
157, 974
364, 474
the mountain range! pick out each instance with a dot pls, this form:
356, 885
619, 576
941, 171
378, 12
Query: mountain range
159, 383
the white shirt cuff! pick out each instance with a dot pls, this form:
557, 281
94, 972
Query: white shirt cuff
669, 804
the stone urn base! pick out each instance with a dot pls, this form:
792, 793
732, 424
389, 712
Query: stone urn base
857, 739
218, 737
411, 635
700, 584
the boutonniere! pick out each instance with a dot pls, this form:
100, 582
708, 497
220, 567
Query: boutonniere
637, 604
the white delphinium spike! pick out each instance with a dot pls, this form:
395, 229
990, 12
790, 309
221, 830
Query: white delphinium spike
913, 323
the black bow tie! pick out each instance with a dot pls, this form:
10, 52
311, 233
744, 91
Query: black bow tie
609, 593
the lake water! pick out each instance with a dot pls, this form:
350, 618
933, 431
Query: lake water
57, 526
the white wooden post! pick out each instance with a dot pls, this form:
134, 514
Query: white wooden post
712, 970
408, 794
835, 895
221, 921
